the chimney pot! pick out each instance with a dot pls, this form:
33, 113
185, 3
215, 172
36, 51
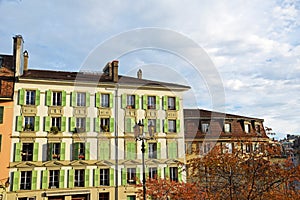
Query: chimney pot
140, 74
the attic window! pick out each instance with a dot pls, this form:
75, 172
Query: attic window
1, 61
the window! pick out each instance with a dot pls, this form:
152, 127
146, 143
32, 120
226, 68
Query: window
30, 97
131, 175
172, 126
54, 179
205, 127
80, 124
81, 99
25, 182
172, 150
56, 122
247, 128
27, 198
130, 101
227, 128
248, 148
173, 173
104, 124
0, 142
56, 98
152, 124
151, 102
1, 114
206, 147
79, 178
153, 172
104, 196
257, 128
152, 150
105, 100
80, 151
131, 197
104, 177
130, 150
54, 151
171, 103
28, 123
27, 152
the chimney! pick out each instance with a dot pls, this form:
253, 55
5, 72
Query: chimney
18, 55
25, 54
139, 74
115, 75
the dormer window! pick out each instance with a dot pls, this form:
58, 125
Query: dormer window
247, 127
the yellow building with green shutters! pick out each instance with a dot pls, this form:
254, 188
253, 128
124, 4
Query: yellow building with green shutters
73, 135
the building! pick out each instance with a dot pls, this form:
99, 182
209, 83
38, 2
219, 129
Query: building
72, 133
204, 129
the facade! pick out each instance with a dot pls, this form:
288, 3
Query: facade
204, 129
73, 138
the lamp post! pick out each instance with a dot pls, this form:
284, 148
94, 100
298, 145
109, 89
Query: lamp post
140, 135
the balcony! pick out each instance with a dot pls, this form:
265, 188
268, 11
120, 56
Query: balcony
29, 110
172, 114
80, 111
104, 112
130, 112
55, 110
151, 114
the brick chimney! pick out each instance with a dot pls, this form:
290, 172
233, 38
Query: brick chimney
25, 54
18, 55
115, 75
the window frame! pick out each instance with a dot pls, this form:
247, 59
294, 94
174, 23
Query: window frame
105, 100
57, 98
25, 180
53, 181
153, 172
81, 99
151, 102
152, 150
227, 128
30, 97
130, 101
131, 176
205, 127
104, 177
171, 103
27, 152
79, 177
172, 126
174, 174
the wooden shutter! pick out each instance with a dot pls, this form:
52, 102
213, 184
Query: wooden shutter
145, 102
111, 177
87, 99
62, 151
111, 124
45, 183
104, 150
1, 114
37, 97
72, 124
75, 151
63, 124
73, 100
177, 125
128, 125
124, 176
96, 177
177, 103
157, 125
145, 121
21, 97
159, 173
86, 178
157, 102
47, 121
36, 123
137, 101
165, 102
61, 178
71, 178
87, 151
138, 175
87, 124
180, 171
16, 180
19, 123
97, 100
49, 150
97, 124
167, 172
111, 100
48, 98
17, 152
34, 180
124, 100
166, 126
64, 98
35, 151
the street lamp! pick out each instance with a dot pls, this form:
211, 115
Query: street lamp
140, 135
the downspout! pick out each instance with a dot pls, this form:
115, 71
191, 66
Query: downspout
116, 144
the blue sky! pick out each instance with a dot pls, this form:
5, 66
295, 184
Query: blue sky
254, 46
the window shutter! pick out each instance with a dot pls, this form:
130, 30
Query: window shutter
145, 102
158, 150
138, 175
111, 177
73, 100
87, 151
87, 124
157, 100
157, 125
176, 103
72, 124
145, 121
97, 100
177, 125
21, 97
167, 173
16, 179
87, 99
111, 100
71, 178
104, 150
86, 177
75, 151
124, 100
62, 151
35, 151
61, 178
63, 124
128, 125
137, 101
166, 126
124, 176
132, 124
45, 179
147, 173
37, 97
50, 150
97, 124
47, 120
127, 146
33, 180
1, 114
36, 123
64, 98
48, 98
159, 173
19, 123
111, 124
165, 102
17, 152
180, 174
96, 177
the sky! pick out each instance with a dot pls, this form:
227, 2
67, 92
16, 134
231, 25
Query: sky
253, 45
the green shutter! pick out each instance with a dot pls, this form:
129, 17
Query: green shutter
50, 150
17, 152
87, 99
97, 124
133, 150
97, 100
138, 175
87, 124
132, 124
147, 173
111, 125
166, 126
45, 179
21, 97
19, 123
36, 123
86, 178
48, 98
165, 102
64, 98
47, 121
111, 176
87, 151
145, 121
180, 174
177, 103
128, 125
1, 114
111, 100
167, 172
63, 124
137, 101
34, 180
159, 173
37, 97
16, 179
177, 125
72, 124
104, 150
124, 176
75, 151
62, 151
35, 151
158, 150
172, 150
61, 178
73, 100
130, 150
157, 125
145, 102
96, 177
124, 100
157, 103
71, 178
